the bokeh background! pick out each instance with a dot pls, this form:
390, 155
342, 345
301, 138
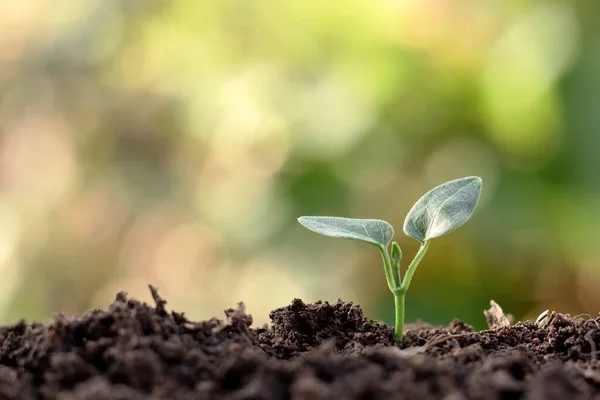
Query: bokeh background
175, 142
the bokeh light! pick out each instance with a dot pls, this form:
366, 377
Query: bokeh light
175, 143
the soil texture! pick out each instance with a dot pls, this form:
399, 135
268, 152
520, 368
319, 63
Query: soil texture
317, 351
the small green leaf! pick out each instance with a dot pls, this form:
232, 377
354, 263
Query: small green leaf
374, 231
443, 209
396, 254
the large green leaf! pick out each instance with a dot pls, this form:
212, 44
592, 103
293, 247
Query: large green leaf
443, 209
374, 231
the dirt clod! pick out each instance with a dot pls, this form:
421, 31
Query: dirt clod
322, 350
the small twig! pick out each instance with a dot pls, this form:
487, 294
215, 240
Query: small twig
582, 315
592, 344
440, 339
160, 302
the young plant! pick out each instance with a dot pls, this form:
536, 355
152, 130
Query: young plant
439, 211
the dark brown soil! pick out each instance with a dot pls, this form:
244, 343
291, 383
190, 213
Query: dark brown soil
312, 351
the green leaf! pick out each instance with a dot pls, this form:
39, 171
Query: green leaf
374, 231
396, 254
443, 209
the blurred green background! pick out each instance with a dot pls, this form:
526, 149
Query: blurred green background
175, 142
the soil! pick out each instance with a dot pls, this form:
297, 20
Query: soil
312, 351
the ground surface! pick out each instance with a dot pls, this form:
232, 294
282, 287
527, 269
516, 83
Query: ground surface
312, 351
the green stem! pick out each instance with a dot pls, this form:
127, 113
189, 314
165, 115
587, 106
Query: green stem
390, 277
400, 292
399, 299
413, 265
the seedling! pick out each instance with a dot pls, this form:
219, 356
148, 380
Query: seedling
439, 211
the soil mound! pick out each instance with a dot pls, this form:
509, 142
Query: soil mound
311, 351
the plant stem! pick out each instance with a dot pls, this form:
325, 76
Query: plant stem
400, 292
414, 264
390, 277
399, 299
